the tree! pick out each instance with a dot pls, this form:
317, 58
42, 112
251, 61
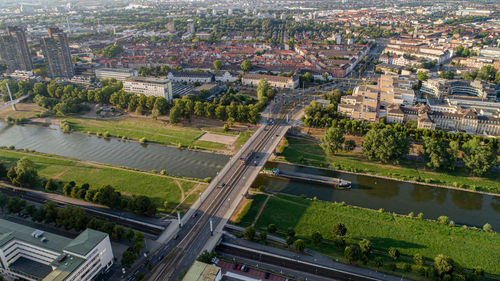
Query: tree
422, 76
299, 245
3, 171
418, 259
67, 188
271, 228
24, 173
487, 73
217, 64
246, 66
249, 233
443, 265
386, 145
393, 253
478, 158
263, 236
437, 155
262, 90
378, 262
206, 257
333, 140
366, 247
316, 238
339, 229
352, 253
50, 185
175, 114
3, 201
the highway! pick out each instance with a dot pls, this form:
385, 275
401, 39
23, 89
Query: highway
194, 236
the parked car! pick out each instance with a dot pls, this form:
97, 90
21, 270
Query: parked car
266, 276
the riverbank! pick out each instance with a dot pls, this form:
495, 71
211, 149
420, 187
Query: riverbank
144, 129
160, 188
470, 247
306, 151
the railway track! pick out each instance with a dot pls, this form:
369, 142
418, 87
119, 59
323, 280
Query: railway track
138, 225
168, 267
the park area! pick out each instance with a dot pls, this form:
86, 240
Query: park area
410, 235
158, 131
158, 187
307, 151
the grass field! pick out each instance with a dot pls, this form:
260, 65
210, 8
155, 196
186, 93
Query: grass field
128, 182
24, 110
308, 152
154, 131
468, 247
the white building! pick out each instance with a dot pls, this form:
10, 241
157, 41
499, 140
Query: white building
35, 255
120, 74
274, 81
226, 76
149, 87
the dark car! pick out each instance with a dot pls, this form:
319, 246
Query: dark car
235, 266
266, 276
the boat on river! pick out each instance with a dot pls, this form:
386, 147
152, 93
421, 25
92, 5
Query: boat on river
336, 182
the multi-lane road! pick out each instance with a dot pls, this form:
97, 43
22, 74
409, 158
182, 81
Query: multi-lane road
230, 186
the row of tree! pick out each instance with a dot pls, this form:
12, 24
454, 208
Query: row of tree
24, 174
69, 217
392, 146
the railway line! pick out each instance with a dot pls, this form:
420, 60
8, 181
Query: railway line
168, 267
148, 228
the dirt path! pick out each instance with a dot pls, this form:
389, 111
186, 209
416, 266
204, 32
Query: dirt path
180, 188
260, 210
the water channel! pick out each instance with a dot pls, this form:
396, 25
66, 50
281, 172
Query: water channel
394, 196
149, 157
460, 206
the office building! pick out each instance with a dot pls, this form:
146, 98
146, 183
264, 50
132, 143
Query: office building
14, 50
149, 87
30, 254
57, 54
120, 74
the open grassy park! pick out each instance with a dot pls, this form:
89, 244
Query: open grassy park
159, 188
470, 248
137, 128
306, 151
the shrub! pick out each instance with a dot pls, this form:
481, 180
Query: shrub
420, 216
410, 215
444, 220
271, 228
143, 140
106, 134
487, 227
207, 179
393, 253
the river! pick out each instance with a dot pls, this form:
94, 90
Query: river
148, 157
460, 206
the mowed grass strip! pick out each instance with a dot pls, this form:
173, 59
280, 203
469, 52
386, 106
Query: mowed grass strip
137, 128
304, 151
468, 247
130, 183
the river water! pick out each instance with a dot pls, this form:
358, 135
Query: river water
148, 157
394, 196
460, 206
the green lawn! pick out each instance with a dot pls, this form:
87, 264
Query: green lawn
128, 182
153, 131
308, 152
468, 247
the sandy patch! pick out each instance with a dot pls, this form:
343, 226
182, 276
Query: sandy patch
227, 140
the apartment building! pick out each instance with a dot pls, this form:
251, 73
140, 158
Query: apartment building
439, 55
369, 102
14, 50
57, 54
274, 81
120, 74
149, 87
30, 254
